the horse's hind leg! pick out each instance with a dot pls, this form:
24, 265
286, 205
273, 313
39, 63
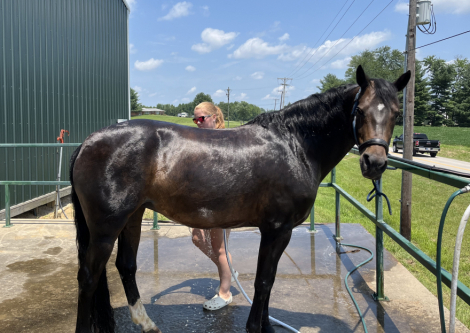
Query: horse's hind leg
94, 308
273, 244
126, 263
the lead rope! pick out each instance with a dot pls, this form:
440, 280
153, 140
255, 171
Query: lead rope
378, 193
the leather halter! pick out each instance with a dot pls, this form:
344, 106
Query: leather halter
370, 142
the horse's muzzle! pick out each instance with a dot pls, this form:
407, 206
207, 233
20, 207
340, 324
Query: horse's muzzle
373, 162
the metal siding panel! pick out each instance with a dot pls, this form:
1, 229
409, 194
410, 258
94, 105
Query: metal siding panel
64, 65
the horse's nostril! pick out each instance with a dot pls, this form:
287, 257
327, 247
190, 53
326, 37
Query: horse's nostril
366, 159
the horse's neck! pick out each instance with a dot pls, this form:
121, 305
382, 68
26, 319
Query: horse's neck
336, 139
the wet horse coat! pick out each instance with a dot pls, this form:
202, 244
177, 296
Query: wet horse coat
264, 174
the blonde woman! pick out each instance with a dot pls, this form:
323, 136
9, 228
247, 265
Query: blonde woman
211, 242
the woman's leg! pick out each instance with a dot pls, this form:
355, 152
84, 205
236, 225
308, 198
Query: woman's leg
204, 244
217, 241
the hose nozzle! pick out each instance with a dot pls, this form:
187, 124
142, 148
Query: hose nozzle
466, 189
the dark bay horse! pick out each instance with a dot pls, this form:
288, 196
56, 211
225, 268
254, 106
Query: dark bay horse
264, 174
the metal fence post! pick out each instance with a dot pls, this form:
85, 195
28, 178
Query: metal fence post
312, 221
155, 222
337, 235
7, 207
379, 246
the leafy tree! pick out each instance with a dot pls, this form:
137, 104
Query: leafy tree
441, 76
201, 97
135, 105
461, 92
422, 95
382, 62
330, 81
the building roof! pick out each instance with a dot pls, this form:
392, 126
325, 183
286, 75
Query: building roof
152, 109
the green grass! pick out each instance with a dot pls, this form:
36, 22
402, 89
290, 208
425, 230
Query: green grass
428, 200
182, 121
451, 136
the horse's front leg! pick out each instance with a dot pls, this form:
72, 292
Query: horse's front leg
273, 244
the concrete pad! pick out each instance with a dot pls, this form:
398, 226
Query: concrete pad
38, 287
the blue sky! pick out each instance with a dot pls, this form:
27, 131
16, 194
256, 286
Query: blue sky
179, 49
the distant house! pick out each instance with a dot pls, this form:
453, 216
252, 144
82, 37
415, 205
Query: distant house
182, 114
147, 111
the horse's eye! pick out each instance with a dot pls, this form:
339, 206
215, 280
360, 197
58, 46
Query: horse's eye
360, 111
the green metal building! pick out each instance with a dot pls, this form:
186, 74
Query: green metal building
64, 64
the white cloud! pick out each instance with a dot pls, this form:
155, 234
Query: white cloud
257, 48
243, 96
190, 91
315, 81
190, 68
213, 39
185, 100
257, 75
147, 65
219, 93
205, 11
137, 88
152, 94
175, 102
132, 49
179, 10
230, 47
341, 63
173, 53
452, 6
284, 37
402, 7
443, 6
331, 48
132, 4
237, 78
268, 96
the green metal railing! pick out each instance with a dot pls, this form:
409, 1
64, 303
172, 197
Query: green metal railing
8, 183
381, 227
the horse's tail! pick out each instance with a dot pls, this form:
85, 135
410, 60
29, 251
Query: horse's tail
102, 313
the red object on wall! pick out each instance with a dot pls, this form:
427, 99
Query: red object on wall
61, 136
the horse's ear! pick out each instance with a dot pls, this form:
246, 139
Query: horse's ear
361, 78
402, 81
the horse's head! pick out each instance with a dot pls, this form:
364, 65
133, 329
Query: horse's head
374, 113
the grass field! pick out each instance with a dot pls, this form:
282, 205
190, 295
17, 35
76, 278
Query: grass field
182, 121
429, 198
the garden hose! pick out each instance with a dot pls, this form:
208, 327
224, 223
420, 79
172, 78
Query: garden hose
349, 273
244, 293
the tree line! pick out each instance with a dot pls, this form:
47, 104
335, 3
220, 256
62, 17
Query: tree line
239, 111
442, 89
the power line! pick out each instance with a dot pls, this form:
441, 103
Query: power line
437, 41
338, 40
295, 71
350, 40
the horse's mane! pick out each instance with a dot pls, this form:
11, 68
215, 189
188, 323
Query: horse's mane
314, 113
308, 115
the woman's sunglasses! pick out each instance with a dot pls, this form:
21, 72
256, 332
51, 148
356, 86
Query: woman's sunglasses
200, 119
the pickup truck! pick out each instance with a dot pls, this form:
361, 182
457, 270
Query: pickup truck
421, 144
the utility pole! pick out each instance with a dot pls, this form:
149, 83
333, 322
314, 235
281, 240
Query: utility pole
408, 122
283, 98
228, 106
275, 100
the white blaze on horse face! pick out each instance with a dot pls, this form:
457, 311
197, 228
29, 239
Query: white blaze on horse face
140, 317
380, 106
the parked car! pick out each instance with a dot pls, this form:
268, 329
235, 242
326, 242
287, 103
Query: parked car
421, 144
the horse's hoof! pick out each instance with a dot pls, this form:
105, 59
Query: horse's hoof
267, 328
153, 330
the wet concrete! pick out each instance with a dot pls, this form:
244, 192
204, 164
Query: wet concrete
38, 287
